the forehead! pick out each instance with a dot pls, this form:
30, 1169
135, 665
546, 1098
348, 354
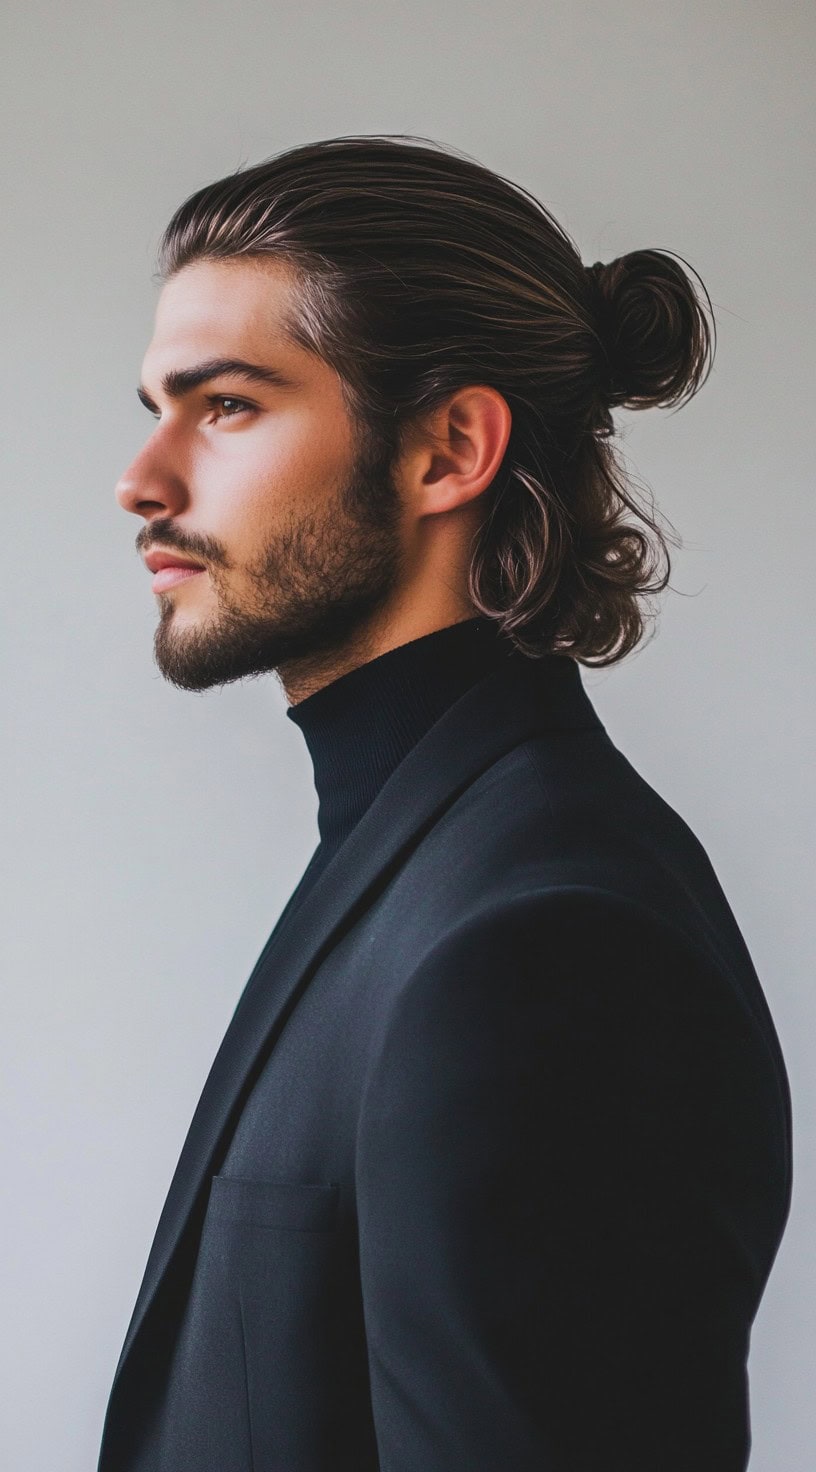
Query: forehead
233, 308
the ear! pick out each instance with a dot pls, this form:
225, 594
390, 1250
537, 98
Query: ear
457, 451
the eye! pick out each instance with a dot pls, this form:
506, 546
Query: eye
225, 400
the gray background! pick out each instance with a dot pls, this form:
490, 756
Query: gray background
154, 836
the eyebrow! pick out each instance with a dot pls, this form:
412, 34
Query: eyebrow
181, 381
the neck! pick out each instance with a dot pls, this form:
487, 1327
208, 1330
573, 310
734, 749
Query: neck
359, 726
412, 618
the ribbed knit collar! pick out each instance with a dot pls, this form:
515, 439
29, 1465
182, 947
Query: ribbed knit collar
360, 726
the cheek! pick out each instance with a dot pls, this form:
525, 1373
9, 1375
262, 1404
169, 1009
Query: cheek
301, 460
271, 479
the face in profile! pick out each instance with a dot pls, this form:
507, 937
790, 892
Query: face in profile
292, 523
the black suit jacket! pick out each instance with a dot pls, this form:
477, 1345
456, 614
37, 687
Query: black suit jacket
493, 1162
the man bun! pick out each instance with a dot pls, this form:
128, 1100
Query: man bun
656, 342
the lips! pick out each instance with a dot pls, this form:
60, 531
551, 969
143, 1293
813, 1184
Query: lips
156, 561
170, 577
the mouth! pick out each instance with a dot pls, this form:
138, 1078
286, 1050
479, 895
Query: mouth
170, 576
170, 569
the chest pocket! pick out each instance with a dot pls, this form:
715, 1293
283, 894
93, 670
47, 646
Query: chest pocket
278, 1248
279, 1205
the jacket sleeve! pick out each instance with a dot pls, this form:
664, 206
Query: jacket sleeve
564, 1162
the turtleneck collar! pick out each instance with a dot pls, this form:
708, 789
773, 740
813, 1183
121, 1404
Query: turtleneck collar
360, 726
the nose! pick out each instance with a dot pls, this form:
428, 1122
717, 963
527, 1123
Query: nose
151, 486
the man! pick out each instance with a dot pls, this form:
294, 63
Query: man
493, 1162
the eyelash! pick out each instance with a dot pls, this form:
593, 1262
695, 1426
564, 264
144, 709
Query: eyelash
214, 399
229, 399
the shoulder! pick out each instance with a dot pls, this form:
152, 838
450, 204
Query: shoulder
567, 810
574, 1011
539, 932
534, 969
561, 813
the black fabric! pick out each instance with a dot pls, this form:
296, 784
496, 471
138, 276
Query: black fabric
360, 726
493, 1162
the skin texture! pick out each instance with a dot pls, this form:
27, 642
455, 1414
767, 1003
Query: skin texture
317, 557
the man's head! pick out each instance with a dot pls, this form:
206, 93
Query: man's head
431, 438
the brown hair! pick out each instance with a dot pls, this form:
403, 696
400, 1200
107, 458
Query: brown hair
422, 271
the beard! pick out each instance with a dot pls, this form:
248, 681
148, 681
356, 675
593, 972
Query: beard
314, 587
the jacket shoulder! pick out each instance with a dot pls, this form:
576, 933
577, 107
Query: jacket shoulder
567, 809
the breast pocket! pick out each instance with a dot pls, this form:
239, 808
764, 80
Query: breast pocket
282, 1205
278, 1243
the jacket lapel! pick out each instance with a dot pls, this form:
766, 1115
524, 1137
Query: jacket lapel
501, 710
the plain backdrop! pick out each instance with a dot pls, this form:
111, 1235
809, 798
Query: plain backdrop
154, 836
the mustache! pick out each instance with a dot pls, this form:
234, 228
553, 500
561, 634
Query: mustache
169, 540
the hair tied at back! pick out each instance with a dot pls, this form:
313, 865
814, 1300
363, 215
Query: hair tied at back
656, 342
602, 313
595, 273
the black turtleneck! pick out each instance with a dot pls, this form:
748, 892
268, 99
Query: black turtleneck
359, 727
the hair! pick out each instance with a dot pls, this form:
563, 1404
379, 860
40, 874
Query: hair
420, 271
